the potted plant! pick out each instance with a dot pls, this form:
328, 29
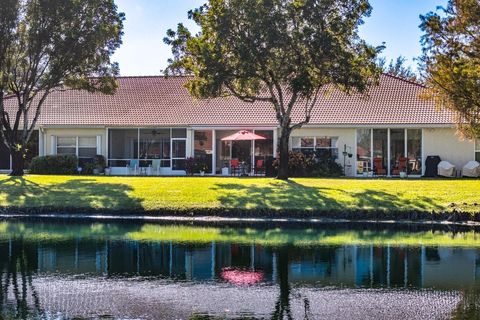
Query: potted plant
99, 164
202, 167
190, 165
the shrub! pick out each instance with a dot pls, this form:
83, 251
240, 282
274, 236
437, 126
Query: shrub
326, 167
88, 168
58, 164
99, 162
311, 165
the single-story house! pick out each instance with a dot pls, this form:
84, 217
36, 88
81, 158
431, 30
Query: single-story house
153, 122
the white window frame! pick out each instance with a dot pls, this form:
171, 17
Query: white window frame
77, 144
315, 142
405, 150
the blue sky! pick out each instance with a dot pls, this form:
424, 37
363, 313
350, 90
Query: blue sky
394, 22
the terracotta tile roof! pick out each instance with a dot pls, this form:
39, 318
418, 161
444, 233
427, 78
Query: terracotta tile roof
159, 101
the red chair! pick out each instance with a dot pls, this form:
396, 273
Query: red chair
260, 166
401, 167
378, 167
234, 166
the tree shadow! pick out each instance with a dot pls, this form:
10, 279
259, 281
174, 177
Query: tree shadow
82, 193
277, 195
296, 196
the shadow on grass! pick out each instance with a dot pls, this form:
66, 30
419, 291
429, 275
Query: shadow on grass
75, 193
292, 195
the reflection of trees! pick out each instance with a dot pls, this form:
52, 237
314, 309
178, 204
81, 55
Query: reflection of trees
469, 305
16, 271
282, 307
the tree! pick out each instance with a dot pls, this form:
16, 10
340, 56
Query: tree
283, 52
398, 69
50, 45
451, 60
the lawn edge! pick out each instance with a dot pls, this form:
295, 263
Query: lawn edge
251, 215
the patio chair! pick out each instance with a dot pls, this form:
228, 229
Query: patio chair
471, 169
133, 167
446, 169
401, 167
156, 167
234, 166
260, 167
378, 167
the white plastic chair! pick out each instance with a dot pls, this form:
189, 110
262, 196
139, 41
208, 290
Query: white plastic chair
471, 169
446, 169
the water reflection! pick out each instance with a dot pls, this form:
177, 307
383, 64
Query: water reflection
349, 265
290, 270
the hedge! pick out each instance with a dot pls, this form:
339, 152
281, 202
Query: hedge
58, 164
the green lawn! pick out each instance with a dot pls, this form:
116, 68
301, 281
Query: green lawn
183, 193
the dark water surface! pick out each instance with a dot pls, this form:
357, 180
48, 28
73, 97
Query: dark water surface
146, 271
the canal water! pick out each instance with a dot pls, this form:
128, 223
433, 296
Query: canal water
59, 270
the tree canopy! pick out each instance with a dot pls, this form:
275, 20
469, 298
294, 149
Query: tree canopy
398, 68
283, 52
451, 61
48, 45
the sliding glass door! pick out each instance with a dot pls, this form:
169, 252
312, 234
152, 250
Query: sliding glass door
397, 151
414, 151
380, 151
389, 151
203, 149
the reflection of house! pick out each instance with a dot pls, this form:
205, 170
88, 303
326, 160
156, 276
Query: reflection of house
155, 120
351, 266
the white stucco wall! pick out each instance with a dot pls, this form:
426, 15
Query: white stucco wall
346, 136
73, 132
448, 145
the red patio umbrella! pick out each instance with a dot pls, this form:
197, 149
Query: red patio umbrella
241, 277
243, 135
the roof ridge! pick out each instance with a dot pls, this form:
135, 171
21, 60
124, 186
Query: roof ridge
152, 76
404, 80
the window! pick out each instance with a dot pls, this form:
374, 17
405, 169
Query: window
67, 145
321, 146
87, 147
82, 147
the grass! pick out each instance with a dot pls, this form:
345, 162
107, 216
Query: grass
137, 194
267, 237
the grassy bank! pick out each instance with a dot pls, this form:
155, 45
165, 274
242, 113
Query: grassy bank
277, 236
248, 195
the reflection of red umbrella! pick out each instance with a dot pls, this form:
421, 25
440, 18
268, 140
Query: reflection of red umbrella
241, 277
243, 135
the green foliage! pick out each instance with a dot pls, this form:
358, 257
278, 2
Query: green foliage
52, 45
190, 165
397, 68
451, 60
88, 168
58, 164
99, 162
310, 165
282, 52
327, 167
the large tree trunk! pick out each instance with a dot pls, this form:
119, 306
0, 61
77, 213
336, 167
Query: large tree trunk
18, 162
283, 150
